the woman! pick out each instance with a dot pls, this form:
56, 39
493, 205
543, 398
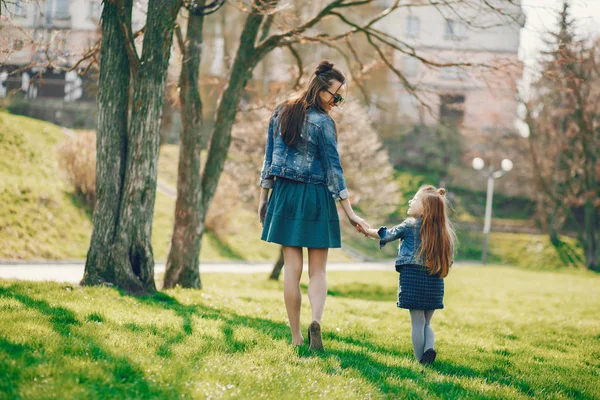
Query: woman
302, 167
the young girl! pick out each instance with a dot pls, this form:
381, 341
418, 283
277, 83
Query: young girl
424, 259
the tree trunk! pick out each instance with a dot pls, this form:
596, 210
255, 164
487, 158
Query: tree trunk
591, 245
278, 266
553, 228
184, 257
126, 259
202, 189
111, 145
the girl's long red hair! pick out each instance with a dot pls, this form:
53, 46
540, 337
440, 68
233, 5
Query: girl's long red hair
437, 235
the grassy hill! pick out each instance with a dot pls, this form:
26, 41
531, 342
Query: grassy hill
39, 215
42, 218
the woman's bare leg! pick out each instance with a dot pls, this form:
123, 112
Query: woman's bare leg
292, 272
317, 287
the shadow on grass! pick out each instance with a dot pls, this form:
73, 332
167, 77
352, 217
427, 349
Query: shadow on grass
224, 249
364, 361
79, 201
361, 291
362, 357
128, 379
365, 291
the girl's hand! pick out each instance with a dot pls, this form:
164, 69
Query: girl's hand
371, 233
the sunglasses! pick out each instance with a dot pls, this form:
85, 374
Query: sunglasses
337, 98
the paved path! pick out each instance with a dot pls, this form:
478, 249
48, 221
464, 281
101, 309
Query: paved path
73, 271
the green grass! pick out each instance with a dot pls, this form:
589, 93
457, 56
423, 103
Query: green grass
40, 217
505, 333
522, 250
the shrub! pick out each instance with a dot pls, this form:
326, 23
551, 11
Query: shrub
77, 157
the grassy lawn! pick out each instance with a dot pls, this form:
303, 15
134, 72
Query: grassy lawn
505, 333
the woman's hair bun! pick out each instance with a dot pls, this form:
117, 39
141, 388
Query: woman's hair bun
441, 191
323, 67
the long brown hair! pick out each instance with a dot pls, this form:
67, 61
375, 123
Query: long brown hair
293, 111
437, 234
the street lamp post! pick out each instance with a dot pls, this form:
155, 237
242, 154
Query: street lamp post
479, 164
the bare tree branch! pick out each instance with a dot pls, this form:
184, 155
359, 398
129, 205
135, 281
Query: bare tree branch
139, 32
355, 54
355, 78
397, 44
300, 66
267, 24
278, 40
207, 9
356, 3
91, 53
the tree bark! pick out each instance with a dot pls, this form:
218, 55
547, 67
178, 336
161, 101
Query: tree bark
183, 263
278, 266
184, 257
111, 145
120, 250
591, 244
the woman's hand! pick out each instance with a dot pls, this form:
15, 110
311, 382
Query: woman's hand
262, 204
262, 211
360, 224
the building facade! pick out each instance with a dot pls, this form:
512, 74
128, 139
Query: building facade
42, 41
480, 92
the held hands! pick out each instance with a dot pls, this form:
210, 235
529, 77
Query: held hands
363, 227
371, 233
360, 224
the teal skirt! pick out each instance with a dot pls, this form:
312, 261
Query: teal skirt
302, 215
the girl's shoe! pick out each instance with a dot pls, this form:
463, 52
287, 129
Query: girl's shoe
428, 357
314, 337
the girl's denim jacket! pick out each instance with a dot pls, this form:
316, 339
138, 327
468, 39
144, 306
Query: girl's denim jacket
312, 159
409, 232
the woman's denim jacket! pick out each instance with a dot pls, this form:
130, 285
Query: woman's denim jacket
313, 159
409, 232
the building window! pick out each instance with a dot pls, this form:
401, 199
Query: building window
60, 43
19, 8
455, 30
407, 104
57, 9
39, 37
17, 45
413, 26
411, 66
453, 73
217, 65
94, 10
452, 109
